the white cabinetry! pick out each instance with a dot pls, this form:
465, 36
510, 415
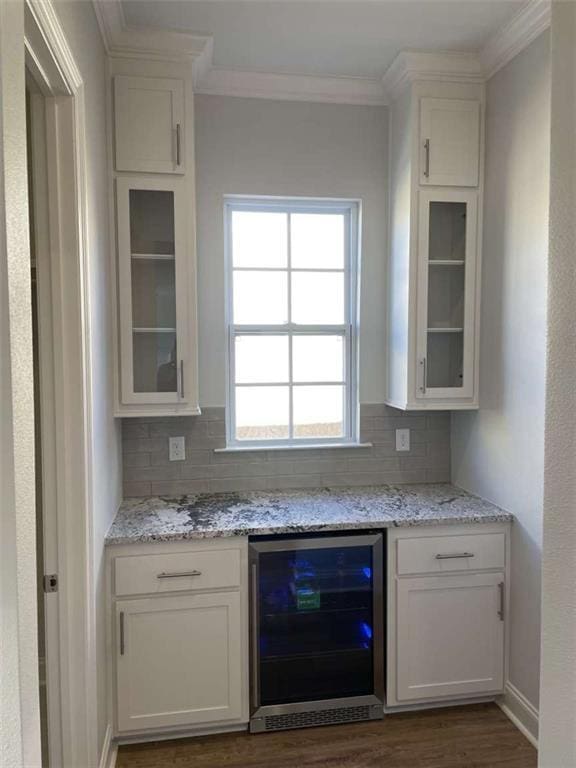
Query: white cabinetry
179, 633
447, 613
154, 238
149, 124
449, 142
435, 246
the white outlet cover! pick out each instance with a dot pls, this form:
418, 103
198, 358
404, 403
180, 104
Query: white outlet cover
177, 448
402, 439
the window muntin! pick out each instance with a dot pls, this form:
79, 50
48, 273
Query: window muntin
292, 357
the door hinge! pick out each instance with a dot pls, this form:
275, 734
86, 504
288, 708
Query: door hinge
51, 582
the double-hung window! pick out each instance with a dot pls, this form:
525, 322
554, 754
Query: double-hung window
292, 269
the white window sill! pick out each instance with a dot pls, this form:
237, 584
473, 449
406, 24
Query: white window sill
307, 447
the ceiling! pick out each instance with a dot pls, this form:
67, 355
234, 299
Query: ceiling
355, 38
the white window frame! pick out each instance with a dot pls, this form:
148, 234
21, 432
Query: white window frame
351, 209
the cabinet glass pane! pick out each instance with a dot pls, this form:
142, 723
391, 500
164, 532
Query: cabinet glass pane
447, 238
154, 361
153, 293
151, 221
446, 296
318, 411
444, 359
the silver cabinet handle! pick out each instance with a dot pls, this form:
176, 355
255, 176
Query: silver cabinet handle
122, 644
182, 379
456, 556
501, 601
177, 574
178, 159
423, 385
255, 640
427, 156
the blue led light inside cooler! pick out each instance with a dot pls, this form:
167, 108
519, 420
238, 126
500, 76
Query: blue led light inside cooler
366, 630
367, 571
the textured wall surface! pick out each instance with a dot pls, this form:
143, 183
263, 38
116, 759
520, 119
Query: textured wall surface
19, 713
498, 452
262, 147
147, 470
558, 704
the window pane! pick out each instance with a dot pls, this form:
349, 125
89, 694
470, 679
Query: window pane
261, 359
317, 240
262, 413
260, 298
318, 298
318, 411
318, 358
259, 239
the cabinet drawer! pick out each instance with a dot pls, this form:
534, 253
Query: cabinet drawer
177, 572
440, 554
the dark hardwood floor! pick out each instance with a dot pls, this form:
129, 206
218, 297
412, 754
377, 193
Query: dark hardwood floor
478, 736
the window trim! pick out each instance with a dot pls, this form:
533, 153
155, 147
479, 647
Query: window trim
351, 208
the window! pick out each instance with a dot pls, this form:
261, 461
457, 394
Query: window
291, 306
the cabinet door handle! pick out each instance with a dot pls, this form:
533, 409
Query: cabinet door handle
423, 385
182, 379
427, 158
178, 159
122, 644
177, 574
456, 556
501, 601
255, 638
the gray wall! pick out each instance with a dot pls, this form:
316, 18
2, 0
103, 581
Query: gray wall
262, 147
498, 452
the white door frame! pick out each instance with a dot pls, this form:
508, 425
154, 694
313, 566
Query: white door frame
73, 726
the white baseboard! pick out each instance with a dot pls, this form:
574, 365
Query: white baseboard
521, 712
109, 750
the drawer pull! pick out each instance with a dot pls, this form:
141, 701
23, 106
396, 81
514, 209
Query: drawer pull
457, 556
177, 574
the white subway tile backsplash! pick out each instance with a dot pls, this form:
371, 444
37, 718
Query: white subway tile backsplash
148, 471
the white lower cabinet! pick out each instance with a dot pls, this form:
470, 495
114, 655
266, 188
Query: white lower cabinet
179, 660
450, 636
447, 612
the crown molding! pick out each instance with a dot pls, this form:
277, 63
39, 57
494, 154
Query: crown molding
520, 31
288, 87
444, 66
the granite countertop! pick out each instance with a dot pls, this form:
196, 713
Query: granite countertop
160, 518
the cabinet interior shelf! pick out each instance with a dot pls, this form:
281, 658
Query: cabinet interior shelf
153, 256
154, 330
445, 330
446, 262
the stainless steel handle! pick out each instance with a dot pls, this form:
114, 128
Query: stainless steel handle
122, 645
255, 638
182, 379
177, 574
456, 556
501, 601
423, 385
427, 156
178, 159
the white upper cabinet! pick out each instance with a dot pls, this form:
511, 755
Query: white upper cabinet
449, 142
150, 126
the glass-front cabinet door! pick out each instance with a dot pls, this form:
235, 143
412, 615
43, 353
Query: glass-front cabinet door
152, 299
446, 294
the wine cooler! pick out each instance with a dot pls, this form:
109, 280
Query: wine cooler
316, 631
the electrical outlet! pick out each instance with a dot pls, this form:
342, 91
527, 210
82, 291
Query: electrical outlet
402, 439
177, 448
